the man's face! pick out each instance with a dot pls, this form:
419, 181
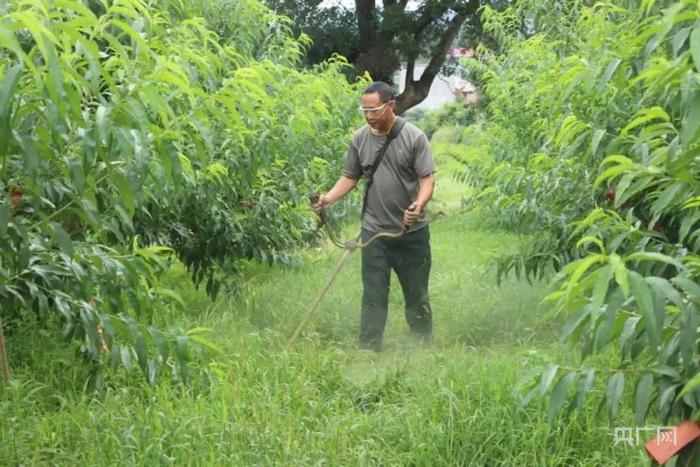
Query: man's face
378, 114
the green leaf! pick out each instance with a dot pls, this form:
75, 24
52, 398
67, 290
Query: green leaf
7, 92
645, 116
141, 352
690, 385
528, 397
62, 238
679, 39
619, 159
622, 187
664, 401
5, 214
30, 156
643, 397
204, 342
687, 224
8, 40
665, 288
690, 287
574, 322
613, 394
645, 302
605, 325
665, 24
89, 213
695, 46
585, 383
159, 341
691, 121
626, 192
583, 265
125, 192
170, 294
152, 372
596, 139
628, 330
548, 378
559, 394
90, 326
126, 358
621, 273
688, 336
653, 256
115, 354
671, 193
611, 172
570, 128
102, 123
182, 354
665, 370
588, 239
612, 66
601, 286
135, 37
692, 203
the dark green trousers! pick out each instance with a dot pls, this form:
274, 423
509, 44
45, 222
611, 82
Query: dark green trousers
409, 256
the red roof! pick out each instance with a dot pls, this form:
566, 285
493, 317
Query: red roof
462, 52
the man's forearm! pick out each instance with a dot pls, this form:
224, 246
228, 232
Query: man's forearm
425, 192
341, 188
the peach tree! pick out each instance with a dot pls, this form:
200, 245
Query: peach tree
133, 132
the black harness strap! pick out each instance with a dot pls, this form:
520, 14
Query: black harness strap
395, 130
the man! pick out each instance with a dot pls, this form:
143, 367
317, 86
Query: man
401, 186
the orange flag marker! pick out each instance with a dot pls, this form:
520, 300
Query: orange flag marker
669, 443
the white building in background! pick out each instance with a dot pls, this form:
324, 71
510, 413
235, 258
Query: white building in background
461, 52
440, 92
445, 88
463, 89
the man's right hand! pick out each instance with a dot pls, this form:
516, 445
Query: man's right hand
320, 204
341, 188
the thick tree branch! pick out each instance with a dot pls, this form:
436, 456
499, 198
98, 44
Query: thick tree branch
387, 30
416, 91
442, 48
426, 17
410, 68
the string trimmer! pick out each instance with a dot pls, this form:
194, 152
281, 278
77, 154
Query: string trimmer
349, 246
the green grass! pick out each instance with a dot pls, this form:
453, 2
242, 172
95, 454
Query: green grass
320, 402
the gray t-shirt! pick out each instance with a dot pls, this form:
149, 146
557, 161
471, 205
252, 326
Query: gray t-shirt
396, 180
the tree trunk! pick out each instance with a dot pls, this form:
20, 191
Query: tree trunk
380, 61
376, 54
366, 23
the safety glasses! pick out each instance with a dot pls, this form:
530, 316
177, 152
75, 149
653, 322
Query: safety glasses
376, 110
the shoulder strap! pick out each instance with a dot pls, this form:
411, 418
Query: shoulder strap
395, 130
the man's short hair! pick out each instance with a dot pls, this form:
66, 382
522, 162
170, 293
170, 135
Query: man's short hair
386, 92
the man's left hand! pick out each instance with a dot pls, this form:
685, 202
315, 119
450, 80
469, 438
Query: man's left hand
412, 214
